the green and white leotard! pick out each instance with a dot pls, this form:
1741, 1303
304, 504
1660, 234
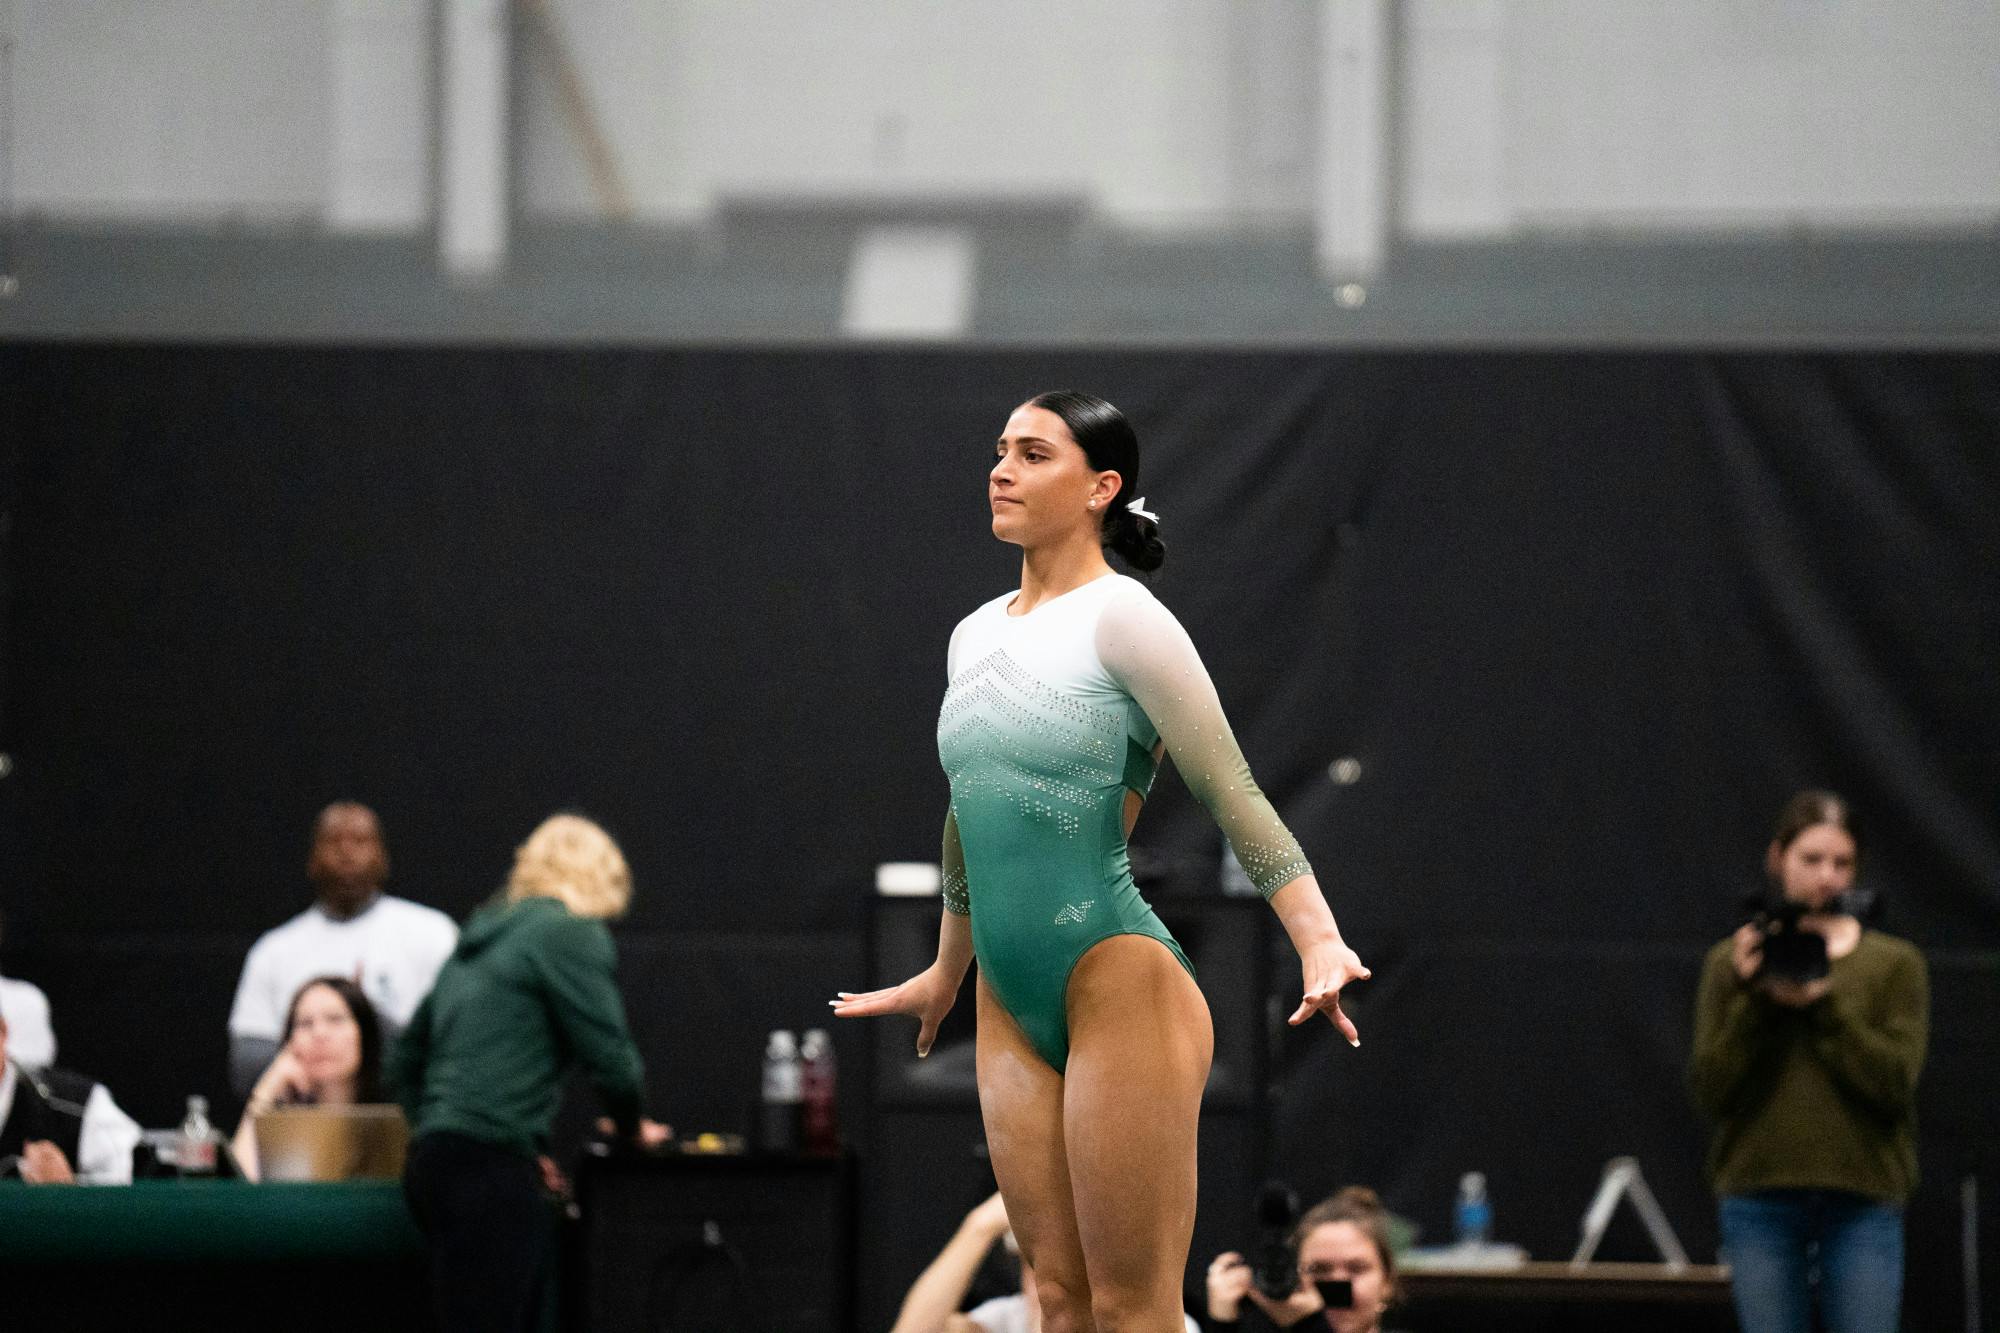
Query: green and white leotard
1049, 719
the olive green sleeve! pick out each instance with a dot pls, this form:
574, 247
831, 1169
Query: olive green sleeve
1734, 1027
1876, 1051
957, 892
1149, 655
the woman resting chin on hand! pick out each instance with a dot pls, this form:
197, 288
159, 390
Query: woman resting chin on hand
331, 1055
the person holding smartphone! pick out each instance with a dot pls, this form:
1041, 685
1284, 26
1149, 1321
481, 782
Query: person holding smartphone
1807, 1063
1347, 1273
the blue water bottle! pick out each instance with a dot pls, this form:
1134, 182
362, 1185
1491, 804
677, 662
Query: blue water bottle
1473, 1215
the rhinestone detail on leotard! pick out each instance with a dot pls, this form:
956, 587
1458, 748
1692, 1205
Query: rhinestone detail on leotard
1003, 732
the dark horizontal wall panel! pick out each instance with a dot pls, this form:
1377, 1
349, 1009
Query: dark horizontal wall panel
1582, 618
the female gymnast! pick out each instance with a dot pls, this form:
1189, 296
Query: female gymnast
1093, 1039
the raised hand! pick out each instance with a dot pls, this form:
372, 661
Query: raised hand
1228, 1284
989, 1218
1325, 967
927, 997
1746, 951
283, 1080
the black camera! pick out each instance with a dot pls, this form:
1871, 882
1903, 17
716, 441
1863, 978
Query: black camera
1274, 1265
1274, 1262
1791, 952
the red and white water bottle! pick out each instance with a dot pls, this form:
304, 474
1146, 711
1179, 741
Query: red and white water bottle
194, 1147
818, 1088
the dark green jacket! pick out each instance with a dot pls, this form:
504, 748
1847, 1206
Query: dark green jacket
529, 990
1817, 1098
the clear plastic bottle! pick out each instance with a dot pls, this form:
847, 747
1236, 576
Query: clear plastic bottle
194, 1151
1473, 1216
779, 1126
819, 1093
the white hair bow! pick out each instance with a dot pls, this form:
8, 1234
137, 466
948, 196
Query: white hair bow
1138, 507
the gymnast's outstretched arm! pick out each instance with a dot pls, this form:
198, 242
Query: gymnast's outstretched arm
1147, 652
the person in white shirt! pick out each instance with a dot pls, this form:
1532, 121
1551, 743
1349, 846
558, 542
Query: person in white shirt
26, 1010
392, 948
59, 1128
931, 1304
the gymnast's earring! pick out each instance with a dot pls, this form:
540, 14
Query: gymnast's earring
1092, 505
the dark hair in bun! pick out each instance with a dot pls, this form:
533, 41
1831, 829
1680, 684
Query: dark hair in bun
1361, 1208
1111, 445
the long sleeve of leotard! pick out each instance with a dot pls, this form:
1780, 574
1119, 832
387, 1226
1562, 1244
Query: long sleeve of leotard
957, 893
1148, 653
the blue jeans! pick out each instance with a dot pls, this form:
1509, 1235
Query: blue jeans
1782, 1245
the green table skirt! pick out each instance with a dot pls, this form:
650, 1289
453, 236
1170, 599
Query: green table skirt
217, 1220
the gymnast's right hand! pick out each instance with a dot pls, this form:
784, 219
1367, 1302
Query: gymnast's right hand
928, 997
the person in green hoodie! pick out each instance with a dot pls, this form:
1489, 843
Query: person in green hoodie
1812, 1086
529, 991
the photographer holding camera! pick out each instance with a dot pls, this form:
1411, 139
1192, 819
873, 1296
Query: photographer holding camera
1810, 1031
1332, 1269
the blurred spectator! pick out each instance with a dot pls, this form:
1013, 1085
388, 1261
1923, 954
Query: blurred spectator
531, 990
1342, 1239
390, 947
931, 1305
331, 1056
26, 1010
1811, 1081
59, 1128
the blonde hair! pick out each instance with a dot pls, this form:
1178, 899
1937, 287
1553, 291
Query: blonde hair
572, 860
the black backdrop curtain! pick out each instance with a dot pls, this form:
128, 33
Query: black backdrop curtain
1582, 620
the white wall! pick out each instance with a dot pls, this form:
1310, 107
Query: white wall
1162, 113
170, 108
378, 158
200, 110
1631, 113
1127, 104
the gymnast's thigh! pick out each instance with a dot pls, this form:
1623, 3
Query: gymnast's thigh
1140, 1044
1021, 1101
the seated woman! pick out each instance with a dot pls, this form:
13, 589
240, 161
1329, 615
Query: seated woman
1342, 1239
330, 1054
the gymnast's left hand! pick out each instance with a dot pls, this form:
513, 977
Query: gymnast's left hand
1325, 966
